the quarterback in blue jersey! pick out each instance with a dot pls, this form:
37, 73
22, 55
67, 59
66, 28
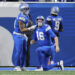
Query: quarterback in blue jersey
42, 35
20, 39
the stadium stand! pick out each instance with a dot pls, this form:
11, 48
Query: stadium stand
40, 0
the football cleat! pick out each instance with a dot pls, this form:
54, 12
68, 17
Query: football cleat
23, 69
40, 69
17, 68
61, 65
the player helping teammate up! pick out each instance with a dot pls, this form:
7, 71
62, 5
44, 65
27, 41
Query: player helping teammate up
20, 39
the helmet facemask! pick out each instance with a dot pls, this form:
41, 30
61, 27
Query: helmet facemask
26, 11
24, 8
40, 21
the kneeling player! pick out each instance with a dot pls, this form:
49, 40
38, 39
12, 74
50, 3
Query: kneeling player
43, 34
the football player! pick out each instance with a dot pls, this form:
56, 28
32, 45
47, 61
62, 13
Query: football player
55, 21
43, 34
20, 39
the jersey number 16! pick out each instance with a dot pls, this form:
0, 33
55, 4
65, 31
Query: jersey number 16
40, 35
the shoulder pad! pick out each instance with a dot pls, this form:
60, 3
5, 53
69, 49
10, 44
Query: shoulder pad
22, 18
48, 18
48, 28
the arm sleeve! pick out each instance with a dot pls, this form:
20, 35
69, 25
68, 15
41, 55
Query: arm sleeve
22, 19
34, 35
50, 32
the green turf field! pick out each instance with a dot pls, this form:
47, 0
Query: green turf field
37, 73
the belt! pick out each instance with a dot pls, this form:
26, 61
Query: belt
21, 35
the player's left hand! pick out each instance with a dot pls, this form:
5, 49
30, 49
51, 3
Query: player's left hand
32, 42
57, 49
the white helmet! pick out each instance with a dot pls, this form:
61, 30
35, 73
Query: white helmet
24, 8
40, 18
55, 10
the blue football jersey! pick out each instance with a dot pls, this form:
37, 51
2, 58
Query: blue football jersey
43, 35
55, 22
22, 18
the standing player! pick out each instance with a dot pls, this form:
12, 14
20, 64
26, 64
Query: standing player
55, 22
42, 34
20, 39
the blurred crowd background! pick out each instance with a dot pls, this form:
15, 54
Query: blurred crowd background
41, 0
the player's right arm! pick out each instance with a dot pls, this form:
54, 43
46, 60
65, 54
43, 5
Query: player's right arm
22, 27
21, 21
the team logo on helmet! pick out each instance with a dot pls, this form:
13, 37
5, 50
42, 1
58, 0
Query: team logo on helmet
55, 10
24, 8
40, 18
